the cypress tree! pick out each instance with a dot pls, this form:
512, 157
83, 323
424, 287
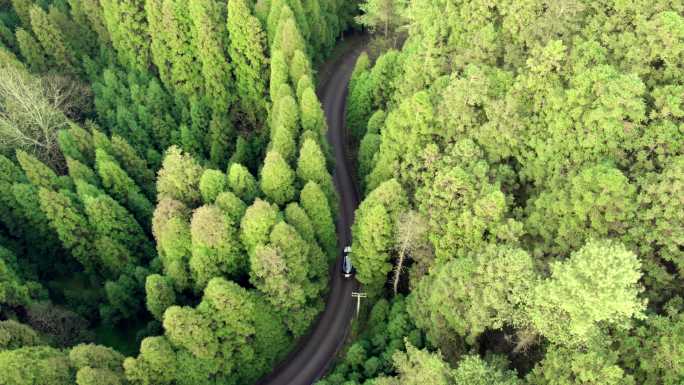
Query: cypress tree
288, 38
52, 40
312, 115
277, 179
37, 172
34, 55
179, 178
119, 240
279, 72
117, 183
160, 48
212, 183
231, 205
257, 223
216, 250
159, 295
78, 170
299, 66
134, 165
311, 167
314, 202
247, 50
242, 183
128, 29
77, 143
71, 225
297, 218
171, 229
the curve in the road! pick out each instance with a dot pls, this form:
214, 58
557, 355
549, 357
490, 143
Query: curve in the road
309, 361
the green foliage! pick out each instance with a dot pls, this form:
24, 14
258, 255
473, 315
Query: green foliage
297, 218
311, 167
242, 183
598, 285
277, 179
257, 223
52, 40
231, 205
211, 184
247, 51
30, 49
128, 29
563, 366
360, 99
314, 202
15, 335
216, 250
179, 178
159, 294
471, 294
171, 229
35, 365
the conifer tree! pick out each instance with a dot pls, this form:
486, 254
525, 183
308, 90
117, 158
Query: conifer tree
315, 203
279, 74
39, 174
247, 50
77, 143
127, 26
52, 40
179, 178
171, 229
134, 165
277, 179
159, 294
122, 188
257, 223
71, 225
311, 167
242, 183
231, 205
119, 240
288, 38
297, 218
33, 53
211, 40
78, 170
299, 66
212, 183
216, 250
312, 115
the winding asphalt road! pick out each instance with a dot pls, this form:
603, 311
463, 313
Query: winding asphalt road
310, 360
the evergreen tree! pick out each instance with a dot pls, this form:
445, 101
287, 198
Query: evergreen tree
171, 229
121, 187
39, 174
297, 218
71, 225
314, 202
231, 205
277, 179
128, 29
257, 223
52, 40
33, 53
311, 167
179, 178
159, 294
242, 183
247, 51
216, 250
569, 307
212, 183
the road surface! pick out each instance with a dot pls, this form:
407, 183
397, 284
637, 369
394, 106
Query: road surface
310, 360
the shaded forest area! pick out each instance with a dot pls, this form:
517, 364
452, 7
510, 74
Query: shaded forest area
167, 210
523, 168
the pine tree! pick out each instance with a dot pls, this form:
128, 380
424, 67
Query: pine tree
247, 51
242, 183
277, 179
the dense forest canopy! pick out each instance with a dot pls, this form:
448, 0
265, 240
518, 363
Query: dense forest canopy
523, 168
167, 208
165, 185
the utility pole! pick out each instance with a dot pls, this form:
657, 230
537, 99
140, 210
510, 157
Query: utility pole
358, 297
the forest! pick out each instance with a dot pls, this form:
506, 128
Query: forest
168, 212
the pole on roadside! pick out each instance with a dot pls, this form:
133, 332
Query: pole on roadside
358, 297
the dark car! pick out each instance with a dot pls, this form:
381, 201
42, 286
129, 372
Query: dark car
347, 268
